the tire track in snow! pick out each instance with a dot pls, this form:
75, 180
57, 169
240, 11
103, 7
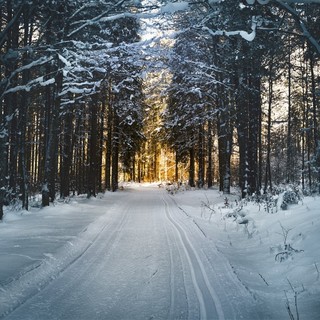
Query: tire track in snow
210, 306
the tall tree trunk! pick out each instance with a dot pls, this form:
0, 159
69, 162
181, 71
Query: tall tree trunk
210, 160
200, 157
192, 168
315, 120
304, 85
3, 161
260, 153
66, 156
242, 113
13, 106
242, 133
3, 165
24, 152
115, 153
225, 148
93, 139
109, 147
253, 133
268, 180
6, 111
101, 141
289, 164
176, 172
23, 120
51, 150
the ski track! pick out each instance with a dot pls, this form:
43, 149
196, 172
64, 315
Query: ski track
210, 306
142, 260
172, 299
233, 293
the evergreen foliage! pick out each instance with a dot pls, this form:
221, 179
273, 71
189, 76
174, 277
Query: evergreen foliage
243, 93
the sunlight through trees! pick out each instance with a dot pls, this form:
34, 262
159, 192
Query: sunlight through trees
201, 92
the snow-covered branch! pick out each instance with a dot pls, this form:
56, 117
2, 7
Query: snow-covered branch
26, 87
306, 33
244, 34
31, 84
95, 20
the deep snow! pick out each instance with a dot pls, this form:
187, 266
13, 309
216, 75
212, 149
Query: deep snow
143, 253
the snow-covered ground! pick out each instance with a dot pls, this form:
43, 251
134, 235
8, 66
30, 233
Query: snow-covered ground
275, 255
143, 253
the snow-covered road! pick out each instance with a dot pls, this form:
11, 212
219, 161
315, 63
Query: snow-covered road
144, 258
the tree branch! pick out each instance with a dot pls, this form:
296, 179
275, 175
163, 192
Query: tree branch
314, 43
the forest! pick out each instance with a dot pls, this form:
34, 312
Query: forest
208, 92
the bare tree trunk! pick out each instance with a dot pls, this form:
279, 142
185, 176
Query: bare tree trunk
66, 156
289, 168
225, 147
101, 141
93, 135
192, 168
200, 157
23, 120
260, 153
210, 160
51, 150
176, 167
254, 107
268, 180
109, 148
13, 106
3, 167
8, 169
315, 120
115, 153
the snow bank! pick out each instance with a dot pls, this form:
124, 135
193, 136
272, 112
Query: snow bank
275, 255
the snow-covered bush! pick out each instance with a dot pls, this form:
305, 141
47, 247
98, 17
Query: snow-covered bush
286, 250
172, 188
289, 197
279, 198
266, 201
14, 205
